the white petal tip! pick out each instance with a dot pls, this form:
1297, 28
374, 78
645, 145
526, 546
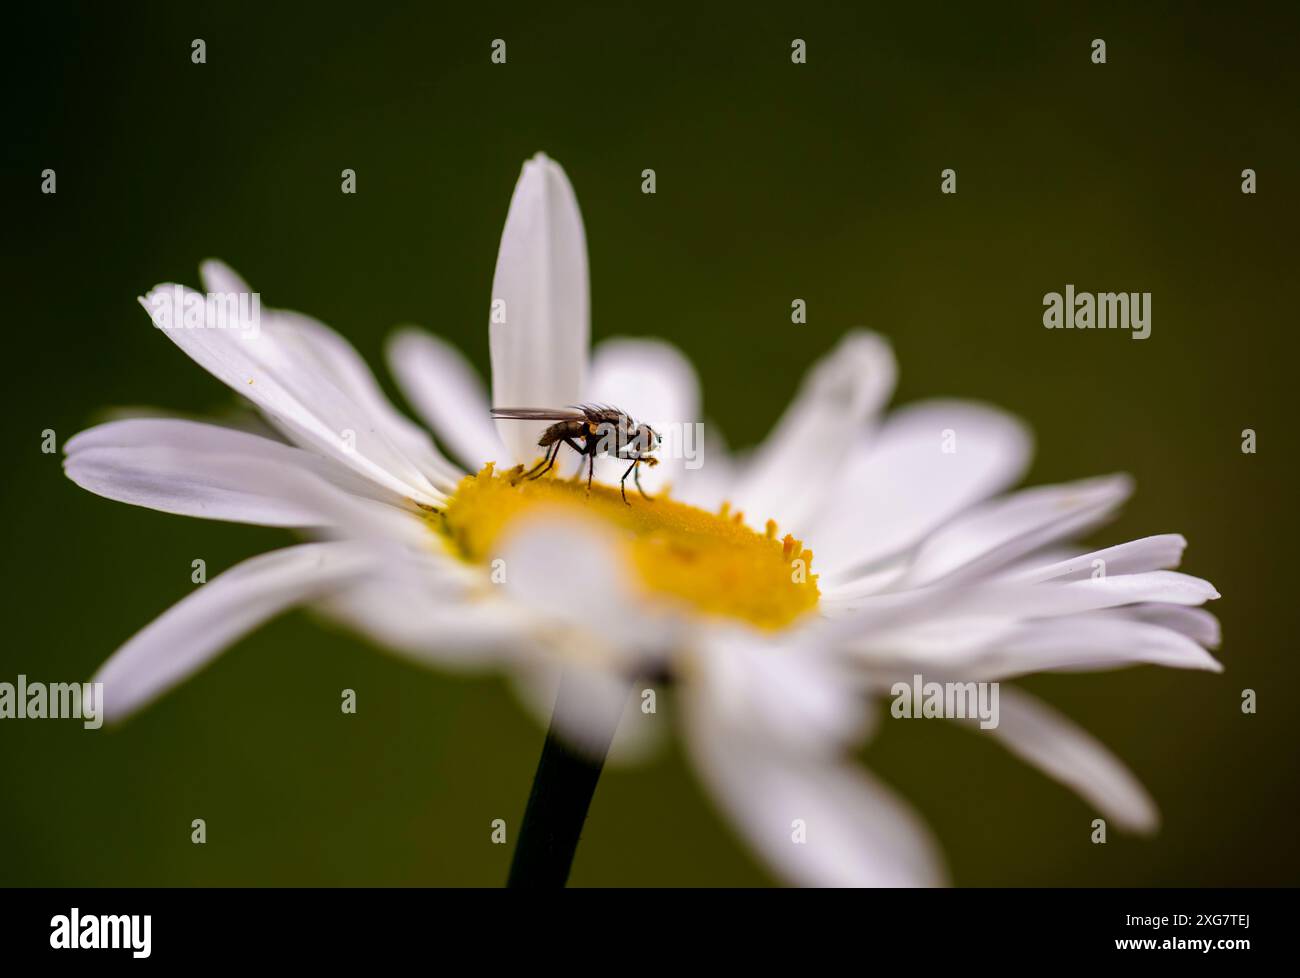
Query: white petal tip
542, 175
217, 276
1121, 483
1146, 825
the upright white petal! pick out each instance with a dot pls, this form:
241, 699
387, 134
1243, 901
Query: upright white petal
443, 387
195, 630
540, 326
796, 468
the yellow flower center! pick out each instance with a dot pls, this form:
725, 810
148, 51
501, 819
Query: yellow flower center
710, 562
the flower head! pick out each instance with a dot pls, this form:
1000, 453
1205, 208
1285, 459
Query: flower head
709, 584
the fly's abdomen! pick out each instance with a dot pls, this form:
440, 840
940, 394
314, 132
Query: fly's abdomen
558, 431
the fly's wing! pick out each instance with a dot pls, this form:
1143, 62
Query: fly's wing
538, 414
604, 414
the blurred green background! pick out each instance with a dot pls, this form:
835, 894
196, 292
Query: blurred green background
775, 181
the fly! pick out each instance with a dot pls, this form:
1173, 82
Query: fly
590, 430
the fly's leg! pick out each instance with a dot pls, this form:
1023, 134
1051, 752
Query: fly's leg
636, 475
544, 466
567, 440
622, 483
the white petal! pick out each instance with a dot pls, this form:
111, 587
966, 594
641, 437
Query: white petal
1082, 644
768, 724
1196, 623
240, 417
575, 584
1036, 559
311, 342
983, 649
855, 831
540, 291
1010, 600
996, 533
300, 398
949, 647
638, 735
186, 483
345, 514
569, 571
929, 462
587, 705
195, 630
849, 588
796, 468
186, 467
440, 383
217, 276
710, 484
1040, 736
1089, 594
1149, 553
430, 612
655, 384
788, 689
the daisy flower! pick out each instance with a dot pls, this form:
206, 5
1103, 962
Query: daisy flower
708, 587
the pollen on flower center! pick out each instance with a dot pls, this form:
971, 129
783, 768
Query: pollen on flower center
711, 562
